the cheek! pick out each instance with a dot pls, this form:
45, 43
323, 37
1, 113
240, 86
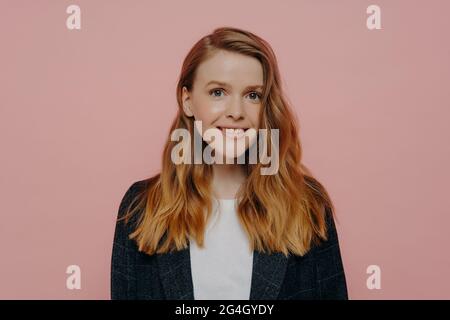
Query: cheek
254, 113
206, 110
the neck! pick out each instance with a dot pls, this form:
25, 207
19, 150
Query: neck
227, 178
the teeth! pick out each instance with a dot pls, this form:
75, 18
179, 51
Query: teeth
233, 133
234, 130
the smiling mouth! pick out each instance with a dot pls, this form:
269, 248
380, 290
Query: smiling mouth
233, 133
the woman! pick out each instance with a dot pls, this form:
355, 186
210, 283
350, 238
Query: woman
210, 226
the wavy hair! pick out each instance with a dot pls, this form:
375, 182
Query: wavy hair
284, 212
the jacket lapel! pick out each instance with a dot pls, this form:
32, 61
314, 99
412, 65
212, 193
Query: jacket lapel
176, 277
268, 275
175, 274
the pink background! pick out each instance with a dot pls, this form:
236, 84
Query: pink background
84, 113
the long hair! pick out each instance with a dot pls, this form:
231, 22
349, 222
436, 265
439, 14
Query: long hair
284, 212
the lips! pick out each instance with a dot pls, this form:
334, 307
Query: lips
233, 133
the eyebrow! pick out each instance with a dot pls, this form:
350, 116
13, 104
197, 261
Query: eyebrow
224, 84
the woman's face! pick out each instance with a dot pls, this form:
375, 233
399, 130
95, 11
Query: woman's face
227, 93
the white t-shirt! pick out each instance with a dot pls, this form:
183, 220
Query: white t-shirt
223, 268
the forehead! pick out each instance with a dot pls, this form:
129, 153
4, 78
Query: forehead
230, 67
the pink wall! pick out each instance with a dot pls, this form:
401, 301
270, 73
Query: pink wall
84, 113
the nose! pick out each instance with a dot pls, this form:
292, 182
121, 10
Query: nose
235, 109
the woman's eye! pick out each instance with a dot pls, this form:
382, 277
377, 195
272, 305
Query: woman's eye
216, 92
254, 95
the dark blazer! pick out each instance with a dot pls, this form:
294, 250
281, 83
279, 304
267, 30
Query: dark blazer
135, 275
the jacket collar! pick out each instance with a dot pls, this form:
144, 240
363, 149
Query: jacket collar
176, 277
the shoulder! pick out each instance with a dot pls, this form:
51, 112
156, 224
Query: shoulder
135, 192
331, 240
135, 189
331, 225
328, 258
132, 199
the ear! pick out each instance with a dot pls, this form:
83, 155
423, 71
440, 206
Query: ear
185, 98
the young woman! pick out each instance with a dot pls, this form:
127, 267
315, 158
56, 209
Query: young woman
225, 229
